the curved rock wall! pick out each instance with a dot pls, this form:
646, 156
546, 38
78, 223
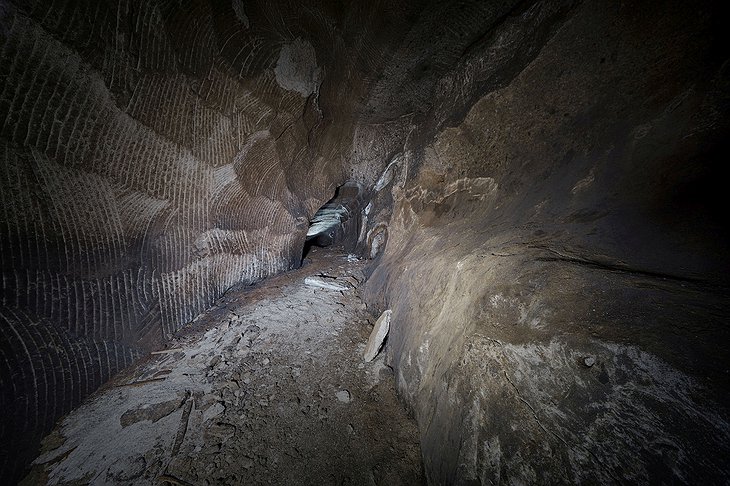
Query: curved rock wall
153, 155
557, 266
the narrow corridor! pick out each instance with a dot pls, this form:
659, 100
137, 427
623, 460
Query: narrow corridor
268, 387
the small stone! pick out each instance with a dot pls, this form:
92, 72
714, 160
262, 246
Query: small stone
318, 282
53, 441
212, 412
377, 336
343, 396
152, 412
589, 361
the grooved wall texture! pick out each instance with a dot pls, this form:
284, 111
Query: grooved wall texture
155, 152
553, 189
149, 160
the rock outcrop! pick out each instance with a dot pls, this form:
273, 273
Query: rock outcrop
557, 266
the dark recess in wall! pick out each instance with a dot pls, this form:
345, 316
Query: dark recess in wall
338, 221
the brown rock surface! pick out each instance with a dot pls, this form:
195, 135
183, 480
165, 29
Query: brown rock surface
540, 186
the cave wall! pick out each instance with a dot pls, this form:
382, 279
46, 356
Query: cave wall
556, 260
157, 152
541, 196
152, 156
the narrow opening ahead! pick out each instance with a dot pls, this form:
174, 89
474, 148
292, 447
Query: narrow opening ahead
336, 222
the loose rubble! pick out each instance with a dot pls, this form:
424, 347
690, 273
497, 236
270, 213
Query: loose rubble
260, 390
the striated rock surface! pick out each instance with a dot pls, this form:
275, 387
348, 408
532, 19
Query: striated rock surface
538, 185
151, 157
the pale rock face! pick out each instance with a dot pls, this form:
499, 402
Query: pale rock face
296, 69
344, 396
240, 12
377, 336
326, 284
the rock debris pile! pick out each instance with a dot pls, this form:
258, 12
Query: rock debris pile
273, 392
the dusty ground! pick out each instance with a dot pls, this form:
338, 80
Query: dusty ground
269, 387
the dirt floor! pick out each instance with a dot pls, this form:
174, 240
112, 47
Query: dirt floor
268, 387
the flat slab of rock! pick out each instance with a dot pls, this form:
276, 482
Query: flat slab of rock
324, 284
380, 331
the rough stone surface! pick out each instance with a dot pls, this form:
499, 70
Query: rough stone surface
541, 180
377, 336
148, 162
328, 284
556, 262
249, 400
344, 396
296, 69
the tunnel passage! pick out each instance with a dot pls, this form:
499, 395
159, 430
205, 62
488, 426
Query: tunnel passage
537, 176
338, 222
